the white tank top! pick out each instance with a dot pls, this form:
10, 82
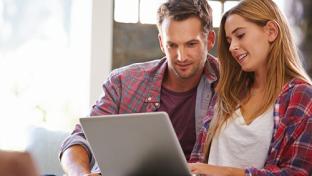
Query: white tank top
241, 145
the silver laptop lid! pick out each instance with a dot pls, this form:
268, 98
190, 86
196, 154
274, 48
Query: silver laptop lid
138, 144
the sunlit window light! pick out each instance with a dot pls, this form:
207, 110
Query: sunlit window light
148, 10
126, 11
229, 4
44, 66
216, 7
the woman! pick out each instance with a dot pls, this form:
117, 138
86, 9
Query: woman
263, 119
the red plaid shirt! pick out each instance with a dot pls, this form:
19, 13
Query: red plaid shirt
290, 151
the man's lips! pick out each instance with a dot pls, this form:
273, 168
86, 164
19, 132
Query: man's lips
183, 66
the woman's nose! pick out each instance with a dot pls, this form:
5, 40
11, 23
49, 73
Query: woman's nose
233, 46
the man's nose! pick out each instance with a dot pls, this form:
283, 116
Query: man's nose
181, 54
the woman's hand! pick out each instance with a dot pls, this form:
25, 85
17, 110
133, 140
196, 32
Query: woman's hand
211, 170
200, 168
93, 174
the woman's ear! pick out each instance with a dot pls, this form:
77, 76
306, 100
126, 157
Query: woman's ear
272, 30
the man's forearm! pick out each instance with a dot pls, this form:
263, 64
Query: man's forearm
75, 161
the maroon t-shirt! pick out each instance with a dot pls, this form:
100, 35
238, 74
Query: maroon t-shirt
180, 107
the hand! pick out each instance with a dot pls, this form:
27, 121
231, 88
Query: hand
93, 174
199, 168
211, 170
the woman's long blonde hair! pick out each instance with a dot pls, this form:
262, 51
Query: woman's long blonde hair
283, 64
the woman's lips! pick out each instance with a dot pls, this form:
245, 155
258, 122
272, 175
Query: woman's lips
241, 57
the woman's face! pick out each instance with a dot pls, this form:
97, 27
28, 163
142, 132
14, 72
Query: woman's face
248, 43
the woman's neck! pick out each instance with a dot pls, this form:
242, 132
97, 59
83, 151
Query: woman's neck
260, 80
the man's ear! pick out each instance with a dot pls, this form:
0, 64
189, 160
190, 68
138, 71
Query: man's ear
160, 43
272, 30
211, 39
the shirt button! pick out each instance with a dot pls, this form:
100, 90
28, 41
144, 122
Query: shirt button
149, 98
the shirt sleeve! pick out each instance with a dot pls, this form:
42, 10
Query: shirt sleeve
292, 155
109, 103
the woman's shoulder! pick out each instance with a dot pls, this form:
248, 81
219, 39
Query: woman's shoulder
297, 87
296, 97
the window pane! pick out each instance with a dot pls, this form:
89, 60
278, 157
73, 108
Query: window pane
229, 4
216, 12
148, 10
44, 66
126, 11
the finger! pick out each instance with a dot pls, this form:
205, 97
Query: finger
195, 172
93, 174
193, 166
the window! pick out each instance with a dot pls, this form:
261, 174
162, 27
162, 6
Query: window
44, 65
148, 10
126, 11
144, 11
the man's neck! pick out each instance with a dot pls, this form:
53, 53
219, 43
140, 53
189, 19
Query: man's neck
177, 84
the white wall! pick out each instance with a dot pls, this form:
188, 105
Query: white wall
101, 46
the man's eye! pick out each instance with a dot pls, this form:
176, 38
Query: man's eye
172, 45
192, 44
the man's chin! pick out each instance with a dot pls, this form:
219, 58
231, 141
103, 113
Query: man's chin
185, 76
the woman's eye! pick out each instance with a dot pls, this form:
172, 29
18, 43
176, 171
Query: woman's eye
240, 36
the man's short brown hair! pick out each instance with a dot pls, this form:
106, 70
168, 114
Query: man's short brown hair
183, 9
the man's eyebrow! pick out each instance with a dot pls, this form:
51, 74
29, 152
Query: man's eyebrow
169, 42
189, 41
192, 40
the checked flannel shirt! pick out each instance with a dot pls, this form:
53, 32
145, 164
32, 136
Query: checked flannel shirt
290, 152
136, 88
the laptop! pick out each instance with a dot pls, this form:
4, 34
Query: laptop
137, 144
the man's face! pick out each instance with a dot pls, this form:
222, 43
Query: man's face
185, 46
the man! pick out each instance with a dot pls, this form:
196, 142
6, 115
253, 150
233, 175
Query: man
181, 84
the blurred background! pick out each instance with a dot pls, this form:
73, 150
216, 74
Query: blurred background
55, 54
